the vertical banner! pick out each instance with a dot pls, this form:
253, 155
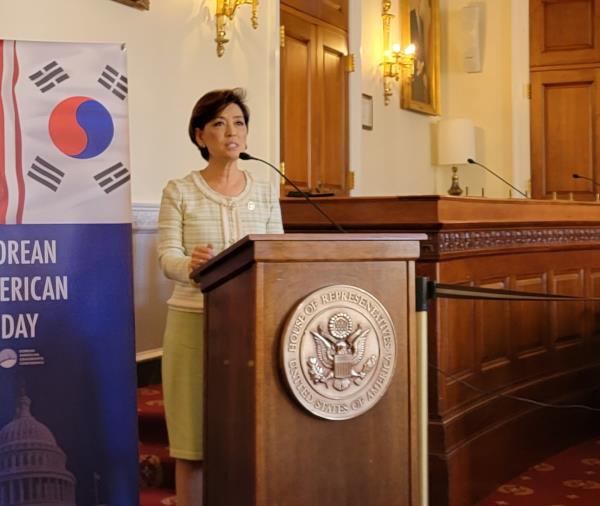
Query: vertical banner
68, 432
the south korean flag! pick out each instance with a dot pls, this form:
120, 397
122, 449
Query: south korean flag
64, 146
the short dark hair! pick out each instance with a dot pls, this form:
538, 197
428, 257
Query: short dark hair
210, 105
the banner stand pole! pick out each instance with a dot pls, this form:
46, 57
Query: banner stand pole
422, 300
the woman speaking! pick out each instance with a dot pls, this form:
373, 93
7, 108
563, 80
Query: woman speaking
200, 215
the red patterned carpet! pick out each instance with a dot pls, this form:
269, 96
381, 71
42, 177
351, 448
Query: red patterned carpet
570, 478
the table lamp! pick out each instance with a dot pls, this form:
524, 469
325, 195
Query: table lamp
455, 143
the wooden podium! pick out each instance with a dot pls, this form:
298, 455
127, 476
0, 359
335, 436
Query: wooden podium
262, 447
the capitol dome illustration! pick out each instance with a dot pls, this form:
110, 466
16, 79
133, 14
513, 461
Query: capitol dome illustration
32, 466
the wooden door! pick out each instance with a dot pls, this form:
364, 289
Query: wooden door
332, 112
314, 103
298, 81
564, 133
564, 32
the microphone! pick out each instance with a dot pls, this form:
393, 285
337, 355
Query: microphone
247, 156
579, 176
470, 160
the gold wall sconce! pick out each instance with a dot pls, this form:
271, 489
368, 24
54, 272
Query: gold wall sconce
226, 8
397, 63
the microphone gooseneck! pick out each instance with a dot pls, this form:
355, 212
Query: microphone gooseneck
470, 160
579, 176
247, 156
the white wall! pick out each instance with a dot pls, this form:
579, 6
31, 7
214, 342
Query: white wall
172, 61
397, 155
151, 288
521, 141
396, 158
493, 98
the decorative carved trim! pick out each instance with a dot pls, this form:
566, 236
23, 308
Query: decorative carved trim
145, 218
469, 240
138, 4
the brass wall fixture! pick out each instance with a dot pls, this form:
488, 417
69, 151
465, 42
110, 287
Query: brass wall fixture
397, 63
226, 8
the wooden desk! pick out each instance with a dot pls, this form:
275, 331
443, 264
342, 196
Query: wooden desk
547, 351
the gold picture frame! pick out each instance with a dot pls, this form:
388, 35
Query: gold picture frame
138, 4
420, 21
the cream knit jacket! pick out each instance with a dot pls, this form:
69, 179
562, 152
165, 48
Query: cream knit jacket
192, 214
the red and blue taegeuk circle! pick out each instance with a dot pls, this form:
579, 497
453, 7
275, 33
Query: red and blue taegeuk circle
81, 127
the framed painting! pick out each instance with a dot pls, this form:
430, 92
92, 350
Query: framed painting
139, 4
421, 26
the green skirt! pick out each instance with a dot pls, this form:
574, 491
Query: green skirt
183, 383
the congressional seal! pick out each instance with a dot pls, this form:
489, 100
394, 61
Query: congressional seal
338, 351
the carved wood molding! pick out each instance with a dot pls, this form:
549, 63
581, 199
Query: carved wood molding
481, 240
138, 4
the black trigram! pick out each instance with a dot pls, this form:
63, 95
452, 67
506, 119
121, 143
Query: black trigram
114, 82
49, 76
46, 174
113, 177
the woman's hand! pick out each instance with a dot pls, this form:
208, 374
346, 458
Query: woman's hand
201, 255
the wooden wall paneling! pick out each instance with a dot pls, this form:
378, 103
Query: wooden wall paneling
494, 335
298, 87
493, 319
564, 132
564, 32
334, 12
467, 432
460, 331
457, 353
594, 277
530, 325
568, 318
307, 6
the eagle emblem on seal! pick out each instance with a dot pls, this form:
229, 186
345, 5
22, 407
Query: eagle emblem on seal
339, 353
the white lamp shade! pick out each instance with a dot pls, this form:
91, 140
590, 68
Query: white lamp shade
456, 141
